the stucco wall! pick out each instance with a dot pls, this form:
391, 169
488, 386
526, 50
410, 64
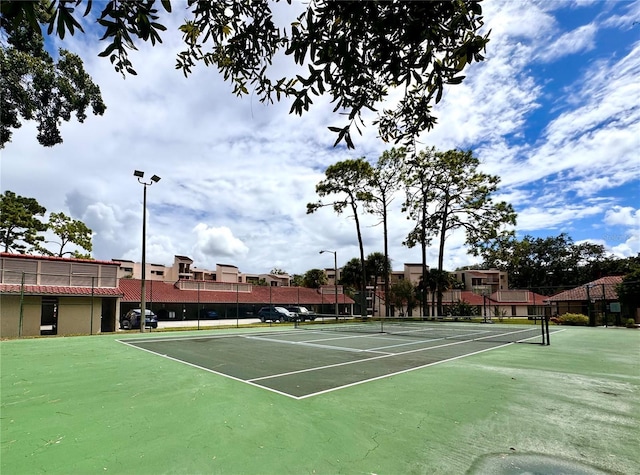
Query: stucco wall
74, 315
10, 316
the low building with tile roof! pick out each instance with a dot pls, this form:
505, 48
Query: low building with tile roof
57, 295
190, 299
42, 295
597, 299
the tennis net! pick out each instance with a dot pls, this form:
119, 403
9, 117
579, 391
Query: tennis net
432, 329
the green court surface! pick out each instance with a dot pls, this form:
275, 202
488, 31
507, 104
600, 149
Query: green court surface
95, 405
303, 364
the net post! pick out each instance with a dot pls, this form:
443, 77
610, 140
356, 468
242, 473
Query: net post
546, 324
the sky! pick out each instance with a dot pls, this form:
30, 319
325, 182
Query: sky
554, 111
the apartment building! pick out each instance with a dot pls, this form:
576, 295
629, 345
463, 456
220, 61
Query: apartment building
483, 281
183, 269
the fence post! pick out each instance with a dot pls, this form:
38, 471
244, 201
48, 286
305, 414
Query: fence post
21, 305
92, 294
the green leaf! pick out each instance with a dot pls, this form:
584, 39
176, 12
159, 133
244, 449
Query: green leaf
166, 5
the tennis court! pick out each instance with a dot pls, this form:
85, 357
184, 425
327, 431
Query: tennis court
317, 358
91, 404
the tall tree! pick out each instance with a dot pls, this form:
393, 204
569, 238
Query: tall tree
19, 223
314, 278
351, 280
349, 180
357, 52
463, 200
436, 279
385, 181
70, 231
402, 295
417, 179
351, 275
550, 264
378, 266
35, 87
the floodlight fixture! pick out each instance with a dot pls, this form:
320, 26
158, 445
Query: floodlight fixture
143, 290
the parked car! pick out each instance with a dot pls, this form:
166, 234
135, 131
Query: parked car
132, 319
303, 313
276, 314
210, 314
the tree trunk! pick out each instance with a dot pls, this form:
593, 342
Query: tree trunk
423, 238
443, 230
363, 306
386, 260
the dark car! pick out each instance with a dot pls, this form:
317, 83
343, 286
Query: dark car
210, 314
276, 314
303, 313
132, 319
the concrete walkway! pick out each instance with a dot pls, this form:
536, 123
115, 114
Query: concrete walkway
229, 322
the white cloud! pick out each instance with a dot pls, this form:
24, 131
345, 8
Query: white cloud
217, 241
629, 248
624, 216
579, 40
559, 218
236, 174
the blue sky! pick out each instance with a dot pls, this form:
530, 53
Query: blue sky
554, 111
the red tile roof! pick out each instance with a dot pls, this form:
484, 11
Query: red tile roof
167, 292
58, 290
596, 289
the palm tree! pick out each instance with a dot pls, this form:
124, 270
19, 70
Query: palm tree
378, 265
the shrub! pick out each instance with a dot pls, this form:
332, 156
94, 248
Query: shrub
631, 323
574, 319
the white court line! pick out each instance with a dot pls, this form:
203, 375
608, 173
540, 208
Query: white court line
356, 383
206, 369
335, 365
314, 345
252, 382
377, 336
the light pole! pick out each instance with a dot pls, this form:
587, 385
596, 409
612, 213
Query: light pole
143, 290
335, 276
